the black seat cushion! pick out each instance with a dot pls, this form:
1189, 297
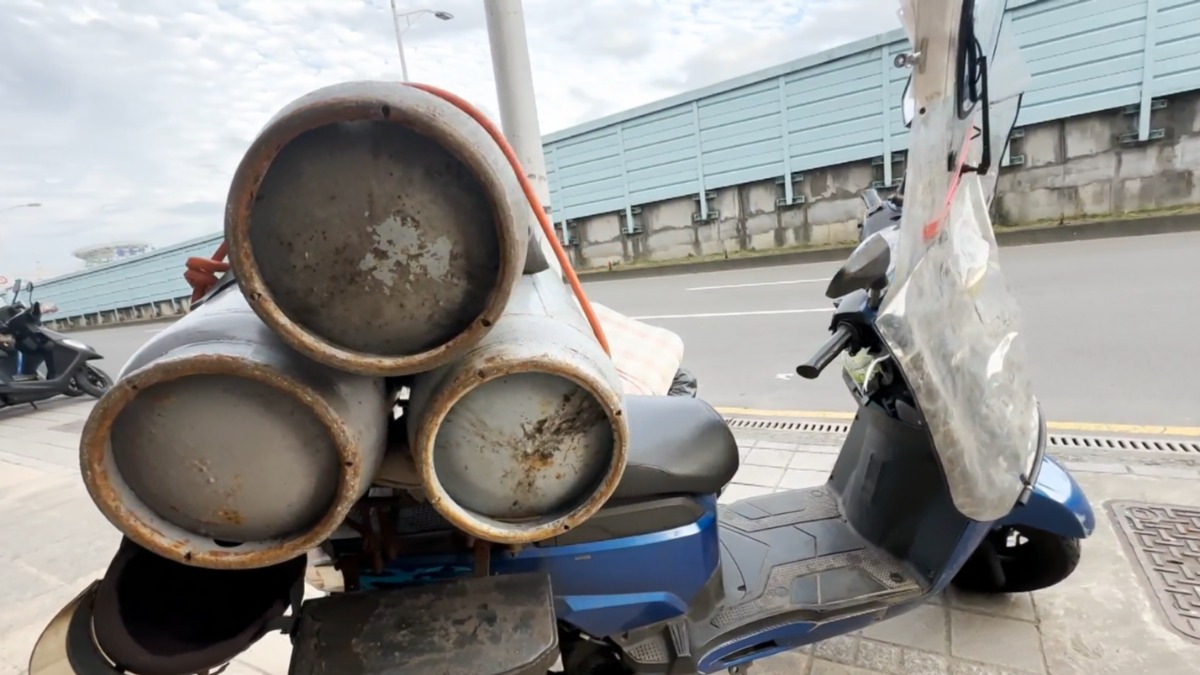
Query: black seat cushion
677, 445
154, 616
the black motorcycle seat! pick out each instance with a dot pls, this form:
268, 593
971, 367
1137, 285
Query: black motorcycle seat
677, 445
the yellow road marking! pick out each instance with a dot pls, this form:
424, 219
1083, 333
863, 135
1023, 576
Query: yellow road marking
1077, 427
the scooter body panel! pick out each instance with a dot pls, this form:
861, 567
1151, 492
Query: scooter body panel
594, 588
1057, 504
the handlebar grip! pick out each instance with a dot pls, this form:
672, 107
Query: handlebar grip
826, 354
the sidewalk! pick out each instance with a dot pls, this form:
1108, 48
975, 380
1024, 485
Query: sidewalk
1114, 616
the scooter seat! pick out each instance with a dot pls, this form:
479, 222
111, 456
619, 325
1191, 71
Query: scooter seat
677, 445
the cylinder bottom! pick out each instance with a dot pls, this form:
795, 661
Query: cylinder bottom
225, 457
523, 446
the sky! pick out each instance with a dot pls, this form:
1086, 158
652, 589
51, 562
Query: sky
125, 119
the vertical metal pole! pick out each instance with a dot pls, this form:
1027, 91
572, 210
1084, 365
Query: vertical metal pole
1147, 70
700, 162
788, 189
399, 42
886, 66
624, 180
518, 105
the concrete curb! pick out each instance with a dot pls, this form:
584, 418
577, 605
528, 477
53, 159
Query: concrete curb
1023, 236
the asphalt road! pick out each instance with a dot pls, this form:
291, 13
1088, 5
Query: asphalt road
1112, 329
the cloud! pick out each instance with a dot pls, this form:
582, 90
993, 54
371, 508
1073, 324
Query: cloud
126, 118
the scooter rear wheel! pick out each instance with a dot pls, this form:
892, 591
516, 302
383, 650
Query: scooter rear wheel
1025, 560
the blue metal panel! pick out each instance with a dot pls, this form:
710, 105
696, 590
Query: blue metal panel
740, 135
660, 155
1084, 57
154, 277
839, 106
1176, 46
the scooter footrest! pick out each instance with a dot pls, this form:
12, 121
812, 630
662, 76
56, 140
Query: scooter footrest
501, 625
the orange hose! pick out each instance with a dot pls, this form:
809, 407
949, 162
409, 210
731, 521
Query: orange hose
201, 272
534, 203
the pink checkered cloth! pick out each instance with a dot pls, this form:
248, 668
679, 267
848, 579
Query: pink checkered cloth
647, 357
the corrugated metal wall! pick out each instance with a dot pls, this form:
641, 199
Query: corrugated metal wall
832, 108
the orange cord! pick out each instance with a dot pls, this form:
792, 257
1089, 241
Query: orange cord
201, 272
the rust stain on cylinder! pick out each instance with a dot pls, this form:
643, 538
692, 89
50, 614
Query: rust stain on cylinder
536, 446
397, 106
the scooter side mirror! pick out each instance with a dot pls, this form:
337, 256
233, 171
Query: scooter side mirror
865, 269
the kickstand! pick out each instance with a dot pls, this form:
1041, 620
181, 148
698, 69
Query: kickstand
34, 405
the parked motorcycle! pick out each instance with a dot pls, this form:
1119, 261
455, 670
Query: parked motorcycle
37, 363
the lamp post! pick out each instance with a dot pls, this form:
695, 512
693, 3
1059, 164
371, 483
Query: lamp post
518, 106
410, 17
30, 205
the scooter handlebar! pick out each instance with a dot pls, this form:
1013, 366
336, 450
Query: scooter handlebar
829, 351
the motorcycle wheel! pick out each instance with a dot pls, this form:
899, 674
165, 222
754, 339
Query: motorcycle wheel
93, 381
1029, 560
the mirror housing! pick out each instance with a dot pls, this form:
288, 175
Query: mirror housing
866, 268
908, 105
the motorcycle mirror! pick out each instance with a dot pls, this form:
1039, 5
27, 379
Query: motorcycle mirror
865, 269
29, 290
908, 106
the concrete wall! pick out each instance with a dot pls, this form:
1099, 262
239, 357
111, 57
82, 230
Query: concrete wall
1065, 170
1079, 167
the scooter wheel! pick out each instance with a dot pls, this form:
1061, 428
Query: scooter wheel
93, 381
1027, 559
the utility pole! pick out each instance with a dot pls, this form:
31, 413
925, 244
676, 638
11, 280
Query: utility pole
518, 105
410, 17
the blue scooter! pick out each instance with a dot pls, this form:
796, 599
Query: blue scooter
663, 580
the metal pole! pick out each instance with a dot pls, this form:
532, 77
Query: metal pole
518, 105
399, 42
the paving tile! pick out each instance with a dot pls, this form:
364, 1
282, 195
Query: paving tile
1012, 606
763, 476
841, 649
996, 641
822, 667
921, 628
812, 461
744, 440
775, 445
880, 657
917, 662
736, 492
794, 480
968, 668
1186, 473
819, 449
769, 457
1097, 467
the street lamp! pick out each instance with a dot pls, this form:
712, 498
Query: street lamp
30, 205
410, 17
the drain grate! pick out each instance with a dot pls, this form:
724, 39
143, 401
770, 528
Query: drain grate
1059, 441
1165, 540
776, 425
1137, 444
